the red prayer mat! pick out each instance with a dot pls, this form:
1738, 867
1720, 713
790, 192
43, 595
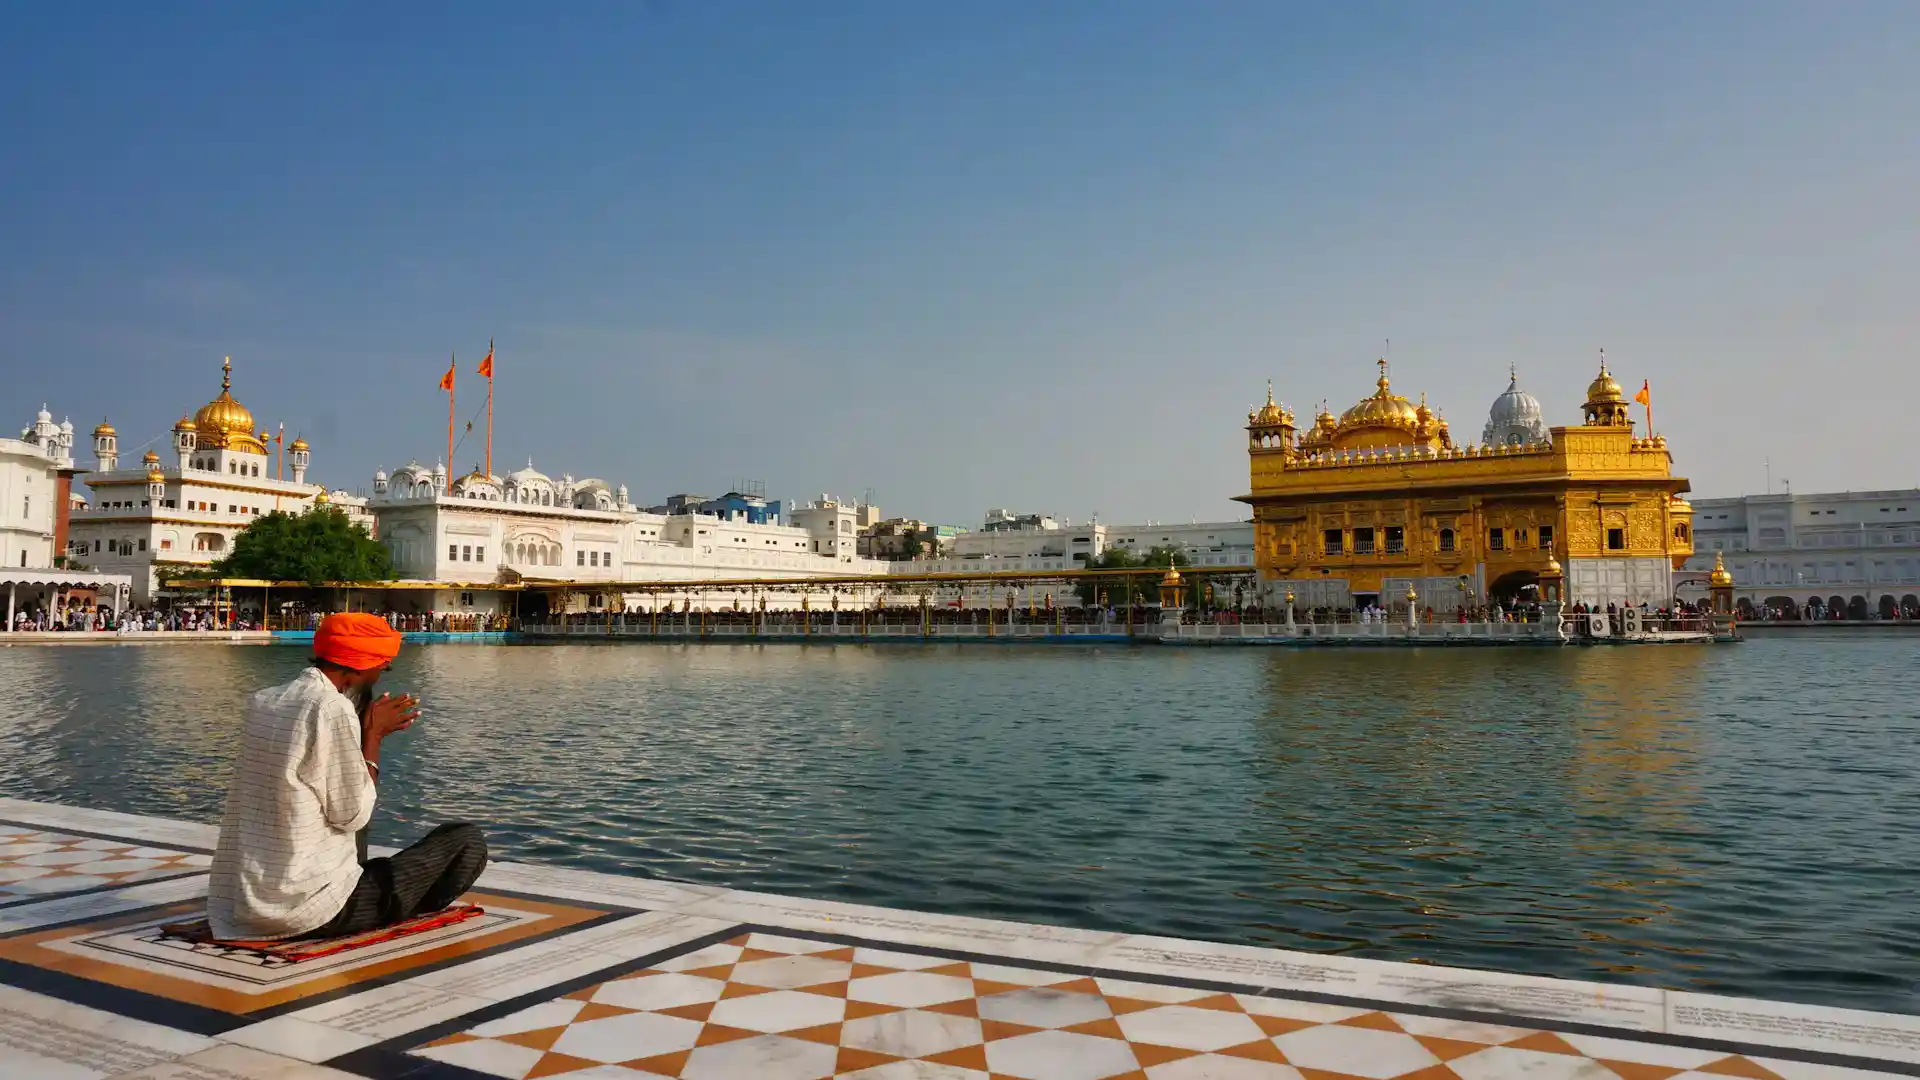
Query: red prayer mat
200, 933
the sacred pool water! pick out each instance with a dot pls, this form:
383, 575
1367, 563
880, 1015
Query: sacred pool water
1737, 819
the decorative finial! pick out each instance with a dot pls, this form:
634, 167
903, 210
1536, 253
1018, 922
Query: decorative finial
1603, 361
1269, 391
226, 374
1513, 376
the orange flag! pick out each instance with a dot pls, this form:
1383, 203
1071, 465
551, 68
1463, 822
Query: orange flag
1645, 396
446, 381
486, 366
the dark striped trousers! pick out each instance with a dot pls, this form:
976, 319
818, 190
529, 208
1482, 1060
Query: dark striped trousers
428, 876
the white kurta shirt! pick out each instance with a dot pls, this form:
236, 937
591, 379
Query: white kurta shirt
287, 860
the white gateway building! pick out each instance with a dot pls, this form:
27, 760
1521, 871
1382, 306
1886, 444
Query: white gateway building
1855, 551
480, 530
156, 518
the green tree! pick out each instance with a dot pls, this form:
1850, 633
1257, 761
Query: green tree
1124, 589
910, 545
316, 547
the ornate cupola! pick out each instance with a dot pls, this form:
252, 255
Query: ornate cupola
1606, 403
106, 446
1270, 427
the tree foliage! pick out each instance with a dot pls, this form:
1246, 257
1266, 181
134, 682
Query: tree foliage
316, 547
1122, 590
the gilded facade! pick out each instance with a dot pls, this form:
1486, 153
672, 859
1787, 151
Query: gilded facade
1361, 508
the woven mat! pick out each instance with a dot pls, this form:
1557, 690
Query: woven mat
200, 933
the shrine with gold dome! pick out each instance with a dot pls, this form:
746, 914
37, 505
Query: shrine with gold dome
1361, 509
153, 520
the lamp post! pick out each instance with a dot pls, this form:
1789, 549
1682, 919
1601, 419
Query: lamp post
1413, 612
1289, 610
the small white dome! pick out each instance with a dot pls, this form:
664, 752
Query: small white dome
1515, 418
379, 474
44, 416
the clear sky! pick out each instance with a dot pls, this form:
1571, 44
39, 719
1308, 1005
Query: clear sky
974, 254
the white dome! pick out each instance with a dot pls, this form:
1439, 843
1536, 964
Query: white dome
66, 427
379, 474
44, 417
1515, 418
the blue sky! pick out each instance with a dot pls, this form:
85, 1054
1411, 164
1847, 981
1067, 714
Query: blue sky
1042, 256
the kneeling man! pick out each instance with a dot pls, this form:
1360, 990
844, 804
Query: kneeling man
288, 865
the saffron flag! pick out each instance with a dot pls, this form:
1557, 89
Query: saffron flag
1645, 396
486, 366
446, 381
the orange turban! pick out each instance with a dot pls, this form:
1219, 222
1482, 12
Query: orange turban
356, 640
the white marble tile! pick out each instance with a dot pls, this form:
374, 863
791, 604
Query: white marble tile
788, 972
918, 1070
232, 1062
534, 967
1311, 1012
1632, 1007
1594, 1046
781, 1010
492, 1058
912, 961
133, 827
1018, 941
1894, 1036
1356, 1051
626, 1037
94, 905
911, 1033
1221, 1067
1189, 1028
589, 887
64, 1040
769, 1057
1508, 1063
1043, 1007
388, 1011
1059, 1055
556, 1013
1800, 1070
909, 989
303, 1040
657, 992
711, 956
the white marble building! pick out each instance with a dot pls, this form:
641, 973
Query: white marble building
1858, 550
157, 517
30, 472
1053, 545
480, 530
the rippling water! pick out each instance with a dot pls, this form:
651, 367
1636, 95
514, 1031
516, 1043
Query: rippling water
1737, 819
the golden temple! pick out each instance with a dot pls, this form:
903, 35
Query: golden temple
1382, 501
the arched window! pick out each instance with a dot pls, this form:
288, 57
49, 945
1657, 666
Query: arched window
1446, 539
1680, 531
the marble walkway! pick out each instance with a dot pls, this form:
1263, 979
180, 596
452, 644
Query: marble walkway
598, 977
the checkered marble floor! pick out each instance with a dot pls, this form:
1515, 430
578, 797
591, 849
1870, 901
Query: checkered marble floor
781, 1008
36, 864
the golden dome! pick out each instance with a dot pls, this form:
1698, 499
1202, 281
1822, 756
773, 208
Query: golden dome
323, 498
1721, 576
1171, 577
298, 444
1381, 419
150, 458
1270, 414
155, 476
1603, 389
186, 424
226, 424
104, 428
1383, 408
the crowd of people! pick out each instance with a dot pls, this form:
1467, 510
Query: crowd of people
96, 619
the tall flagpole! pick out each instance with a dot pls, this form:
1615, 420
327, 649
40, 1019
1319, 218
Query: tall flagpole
453, 369
490, 408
